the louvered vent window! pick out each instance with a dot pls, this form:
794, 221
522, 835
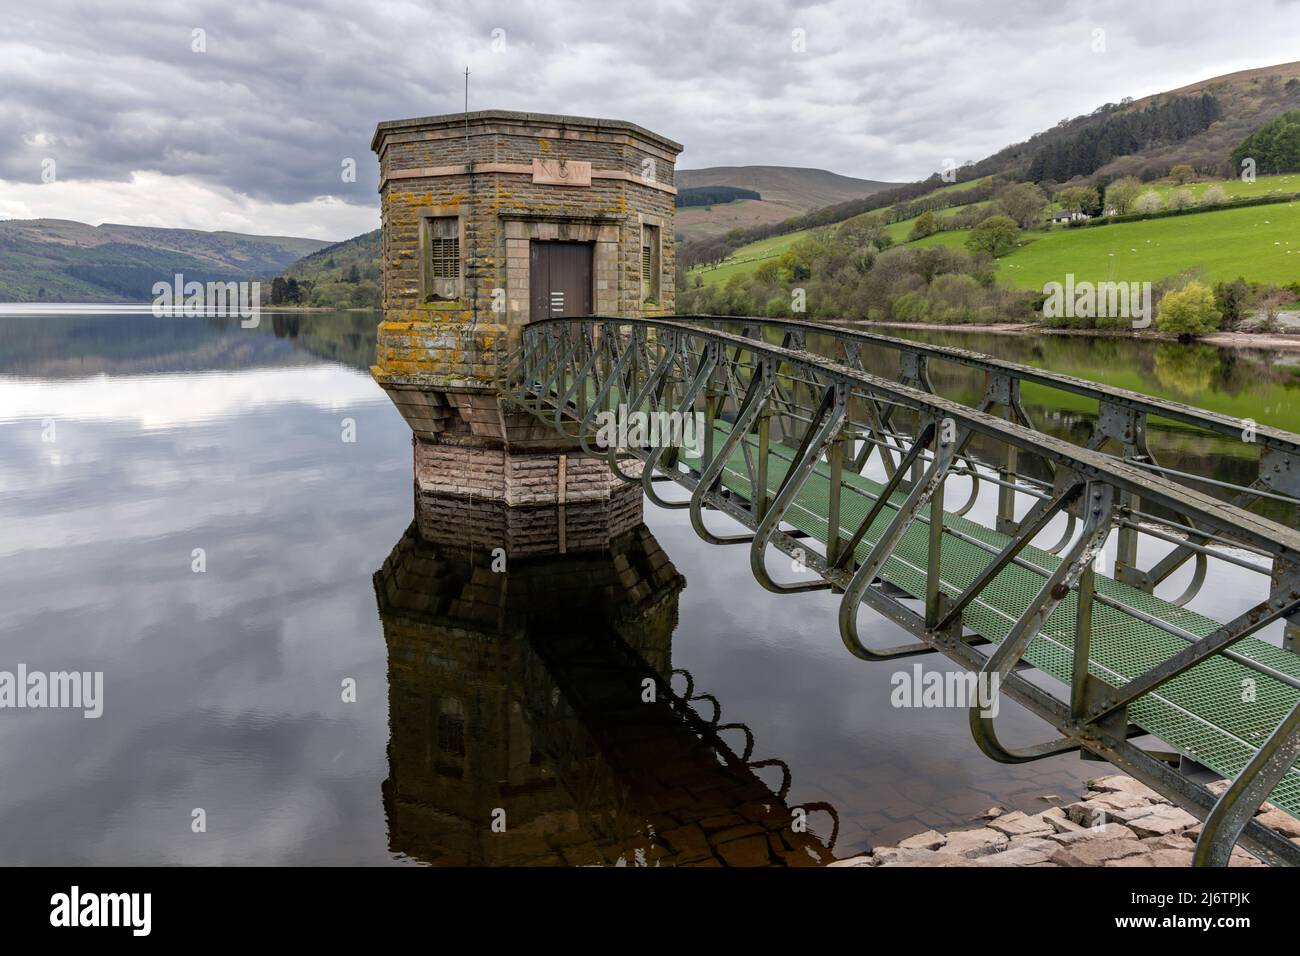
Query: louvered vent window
650, 264
442, 259
451, 735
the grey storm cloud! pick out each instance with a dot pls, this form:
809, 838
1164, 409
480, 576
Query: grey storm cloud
283, 94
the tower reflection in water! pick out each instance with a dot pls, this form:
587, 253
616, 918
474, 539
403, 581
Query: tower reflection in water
535, 717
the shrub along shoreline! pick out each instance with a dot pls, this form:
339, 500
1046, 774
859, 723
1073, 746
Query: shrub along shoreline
1243, 339
1240, 203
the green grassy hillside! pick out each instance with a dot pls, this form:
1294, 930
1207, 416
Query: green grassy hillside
1199, 124
1258, 243
900, 231
1288, 183
747, 258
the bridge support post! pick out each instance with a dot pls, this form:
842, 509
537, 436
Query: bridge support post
1280, 472
1079, 676
915, 372
713, 398
1284, 575
762, 497
934, 555
1127, 427
1006, 520
1002, 390
1126, 548
834, 540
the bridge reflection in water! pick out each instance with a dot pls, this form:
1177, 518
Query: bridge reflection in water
575, 727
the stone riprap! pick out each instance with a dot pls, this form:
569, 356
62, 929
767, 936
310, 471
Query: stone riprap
1118, 822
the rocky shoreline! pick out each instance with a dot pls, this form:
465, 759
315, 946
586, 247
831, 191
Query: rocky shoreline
1118, 822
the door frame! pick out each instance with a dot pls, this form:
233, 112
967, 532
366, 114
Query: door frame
602, 233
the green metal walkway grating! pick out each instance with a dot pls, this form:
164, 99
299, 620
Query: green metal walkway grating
1206, 713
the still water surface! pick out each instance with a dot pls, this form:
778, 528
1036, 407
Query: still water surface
127, 442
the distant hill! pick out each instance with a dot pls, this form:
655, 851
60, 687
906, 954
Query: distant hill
1245, 101
59, 260
786, 191
344, 275
332, 262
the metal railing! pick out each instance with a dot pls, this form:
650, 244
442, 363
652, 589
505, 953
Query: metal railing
794, 427
1120, 426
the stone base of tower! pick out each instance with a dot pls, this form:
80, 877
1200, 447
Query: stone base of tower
438, 413
524, 502
441, 377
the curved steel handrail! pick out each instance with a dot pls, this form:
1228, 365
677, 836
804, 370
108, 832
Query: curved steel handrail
1088, 719
1176, 411
1122, 415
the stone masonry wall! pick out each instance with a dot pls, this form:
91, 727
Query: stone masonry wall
437, 361
454, 344
485, 497
514, 479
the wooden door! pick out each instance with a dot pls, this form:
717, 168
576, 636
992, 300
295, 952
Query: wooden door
559, 279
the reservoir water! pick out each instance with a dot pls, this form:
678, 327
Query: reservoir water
181, 511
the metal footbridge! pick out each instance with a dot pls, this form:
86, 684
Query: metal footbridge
979, 535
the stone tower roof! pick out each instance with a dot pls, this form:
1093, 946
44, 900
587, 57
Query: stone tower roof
513, 118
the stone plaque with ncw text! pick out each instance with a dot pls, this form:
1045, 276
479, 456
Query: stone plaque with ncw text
556, 172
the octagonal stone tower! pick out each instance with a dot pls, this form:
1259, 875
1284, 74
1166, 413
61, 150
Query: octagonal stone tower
492, 220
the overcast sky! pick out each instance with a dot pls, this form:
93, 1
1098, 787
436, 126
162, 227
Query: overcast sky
250, 133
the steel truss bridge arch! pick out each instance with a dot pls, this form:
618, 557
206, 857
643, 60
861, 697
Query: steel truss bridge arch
789, 442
